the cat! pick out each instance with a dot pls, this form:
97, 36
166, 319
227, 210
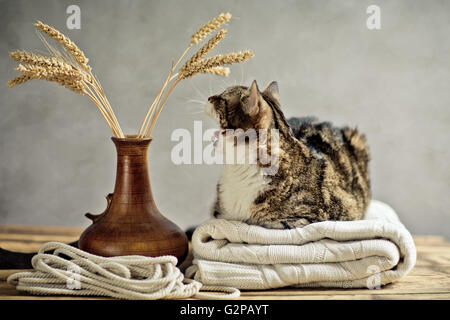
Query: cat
322, 170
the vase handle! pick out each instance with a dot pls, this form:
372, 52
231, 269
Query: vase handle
96, 217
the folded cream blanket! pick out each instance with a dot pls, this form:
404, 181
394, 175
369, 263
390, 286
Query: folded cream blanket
349, 254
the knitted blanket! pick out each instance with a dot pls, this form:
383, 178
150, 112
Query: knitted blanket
367, 253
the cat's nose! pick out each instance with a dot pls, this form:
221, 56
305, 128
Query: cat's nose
212, 99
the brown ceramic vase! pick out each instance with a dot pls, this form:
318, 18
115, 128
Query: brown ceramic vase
131, 223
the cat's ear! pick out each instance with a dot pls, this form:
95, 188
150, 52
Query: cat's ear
272, 90
255, 101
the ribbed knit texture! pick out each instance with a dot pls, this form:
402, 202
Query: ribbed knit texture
348, 254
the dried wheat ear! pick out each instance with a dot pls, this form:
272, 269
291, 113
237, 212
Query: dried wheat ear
196, 64
68, 67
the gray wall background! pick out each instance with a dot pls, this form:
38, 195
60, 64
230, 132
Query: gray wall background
57, 161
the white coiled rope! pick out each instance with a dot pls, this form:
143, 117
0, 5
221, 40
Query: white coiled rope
126, 277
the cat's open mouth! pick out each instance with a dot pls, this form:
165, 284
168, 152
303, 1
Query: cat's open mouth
217, 135
209, 110
215, 138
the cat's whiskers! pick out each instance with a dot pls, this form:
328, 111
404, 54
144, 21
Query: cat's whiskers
210, 88
196, 106
197, 112
201, 94
242, 74
196, 101
227, 85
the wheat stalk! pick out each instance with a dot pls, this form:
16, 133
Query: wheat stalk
19, 80
82, 61
196, 38
219, 71
151, 109
68, 68
39, 60
219, 60
196, 57
68, 78
64, 41
159, 109
210, 27
203, 51
66, 72
196, 64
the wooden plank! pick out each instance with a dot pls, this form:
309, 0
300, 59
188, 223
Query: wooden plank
425, 271
30, 246
429, 257
20, 246
435, 296
41, 238
24, 297
7, 290
430, 279
410, 285
51, 298
305, 297
23, 238
4, 274
423, 240
434, 249
32, 229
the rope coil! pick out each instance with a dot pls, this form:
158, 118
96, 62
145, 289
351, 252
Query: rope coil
124, 277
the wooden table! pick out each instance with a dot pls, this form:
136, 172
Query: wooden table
430, 278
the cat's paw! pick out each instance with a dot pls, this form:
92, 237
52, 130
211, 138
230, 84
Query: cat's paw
285, 224
294, 223
273, 225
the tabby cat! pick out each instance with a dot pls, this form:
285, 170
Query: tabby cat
322, 170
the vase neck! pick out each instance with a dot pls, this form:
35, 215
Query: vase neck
132, 179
